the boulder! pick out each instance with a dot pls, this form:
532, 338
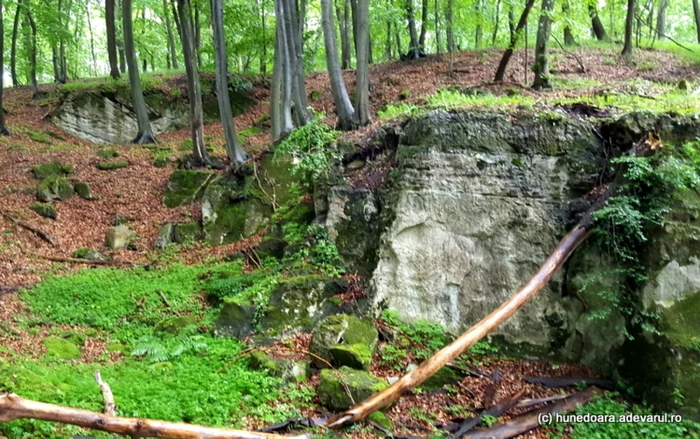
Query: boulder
334, 386
165, 236
344, 340
83, 190
54, 188
185, 187
119, 237
188, 232
51, 169
88, 254
112, 165
45, 210
236, 318
288, 370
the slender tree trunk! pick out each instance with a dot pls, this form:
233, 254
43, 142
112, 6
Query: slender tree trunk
200, 156
197, 35
54, 62
387, 44
501, 71
57, 56
263, 57
172, 47
450, 34
120, 37
92, 36
494, 37
287, 72
437, 27
569, 39
362, 116
542, 78
296, 62
343, 29
353, 28
4, 131
661, 19
275, 91
479, 33
423, 24
32, 48
415, 44
343, 106
145, 133
598, 28
696, 12
629, 28
13, 49
233, 147
511, 22
111, 39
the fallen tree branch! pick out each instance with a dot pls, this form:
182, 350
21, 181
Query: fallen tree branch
552, 383
665, 36
497, 410
110, 407
13, 407
532, 419
578, 60
38, 232
488, 324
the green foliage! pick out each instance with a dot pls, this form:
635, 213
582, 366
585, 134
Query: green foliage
391, 111
451, 98
313, 149
158, 350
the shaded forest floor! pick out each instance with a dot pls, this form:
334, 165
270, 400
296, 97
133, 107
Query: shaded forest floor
650, 81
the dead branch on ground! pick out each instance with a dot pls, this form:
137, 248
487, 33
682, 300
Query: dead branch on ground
38, 232
110, 407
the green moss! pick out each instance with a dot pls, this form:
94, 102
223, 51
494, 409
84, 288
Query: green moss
315, 95
109, 166
176, 325
51, 169
683, 322
188, 232
334, 386
381, 419
442, 377
45, 210
185, 187
161, 162
39, 137
83, 190
73, 336
358, 341
54, 188
60, 348
107, 153
356, 356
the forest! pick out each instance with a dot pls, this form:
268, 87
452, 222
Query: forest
343, 218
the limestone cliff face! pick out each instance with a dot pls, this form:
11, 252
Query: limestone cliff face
476, 203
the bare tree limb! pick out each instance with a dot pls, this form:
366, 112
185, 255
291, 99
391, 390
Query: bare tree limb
40, 233
666, 36
13, 407
107, 396
576, 57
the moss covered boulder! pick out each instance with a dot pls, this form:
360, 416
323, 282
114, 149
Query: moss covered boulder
52, 169
110, 165
288, 370
165, 236
45, 210
88, 254
84, 190
236, 318
334, 386
188, 232
54, 188
60, 348
442, 377
301, 302
185, 187
344, 340
176, 325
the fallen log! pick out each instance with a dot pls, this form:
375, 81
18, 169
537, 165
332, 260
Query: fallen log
488, 324
13, 407
532, 419
553, 383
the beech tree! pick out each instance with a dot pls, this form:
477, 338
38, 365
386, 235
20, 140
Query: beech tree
362, 116
629, 27
145, 133
3, 127
515, 36
696, 14
233, 148
542, 78
111, 27
597, 25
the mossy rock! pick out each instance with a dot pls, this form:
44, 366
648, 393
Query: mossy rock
288, 370
231, 210
300, 302
112, 165
334, 386
271, 247
344, 340
382, 419
52, 169
235, 319
443, 377
176, 325
45, 210
188, 232
39, 137
356, 356
74, 337
107, 153
119, 237
54, 188
83, 190
57, 347
161, 162
88, 254
185, 187
165, 236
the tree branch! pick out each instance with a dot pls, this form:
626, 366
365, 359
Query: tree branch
110, 406
40, 233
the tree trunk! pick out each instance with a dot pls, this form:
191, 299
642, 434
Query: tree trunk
197, 35
598, 28
13, 49
511, 23
4, 131
423, 24
172, 50
629, 28
661, 19
233, 147
92, 37
450, 33
282, 58
501, 71
437, 28
32, 49
12, 407
145, 134
542, 78
111, 39
362, 116
494, 37
343, 30
569, 39
200, 156
343, 106
120, 38
696, 12
296, 63
387, 44
263, 57
415, 44
479, 33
